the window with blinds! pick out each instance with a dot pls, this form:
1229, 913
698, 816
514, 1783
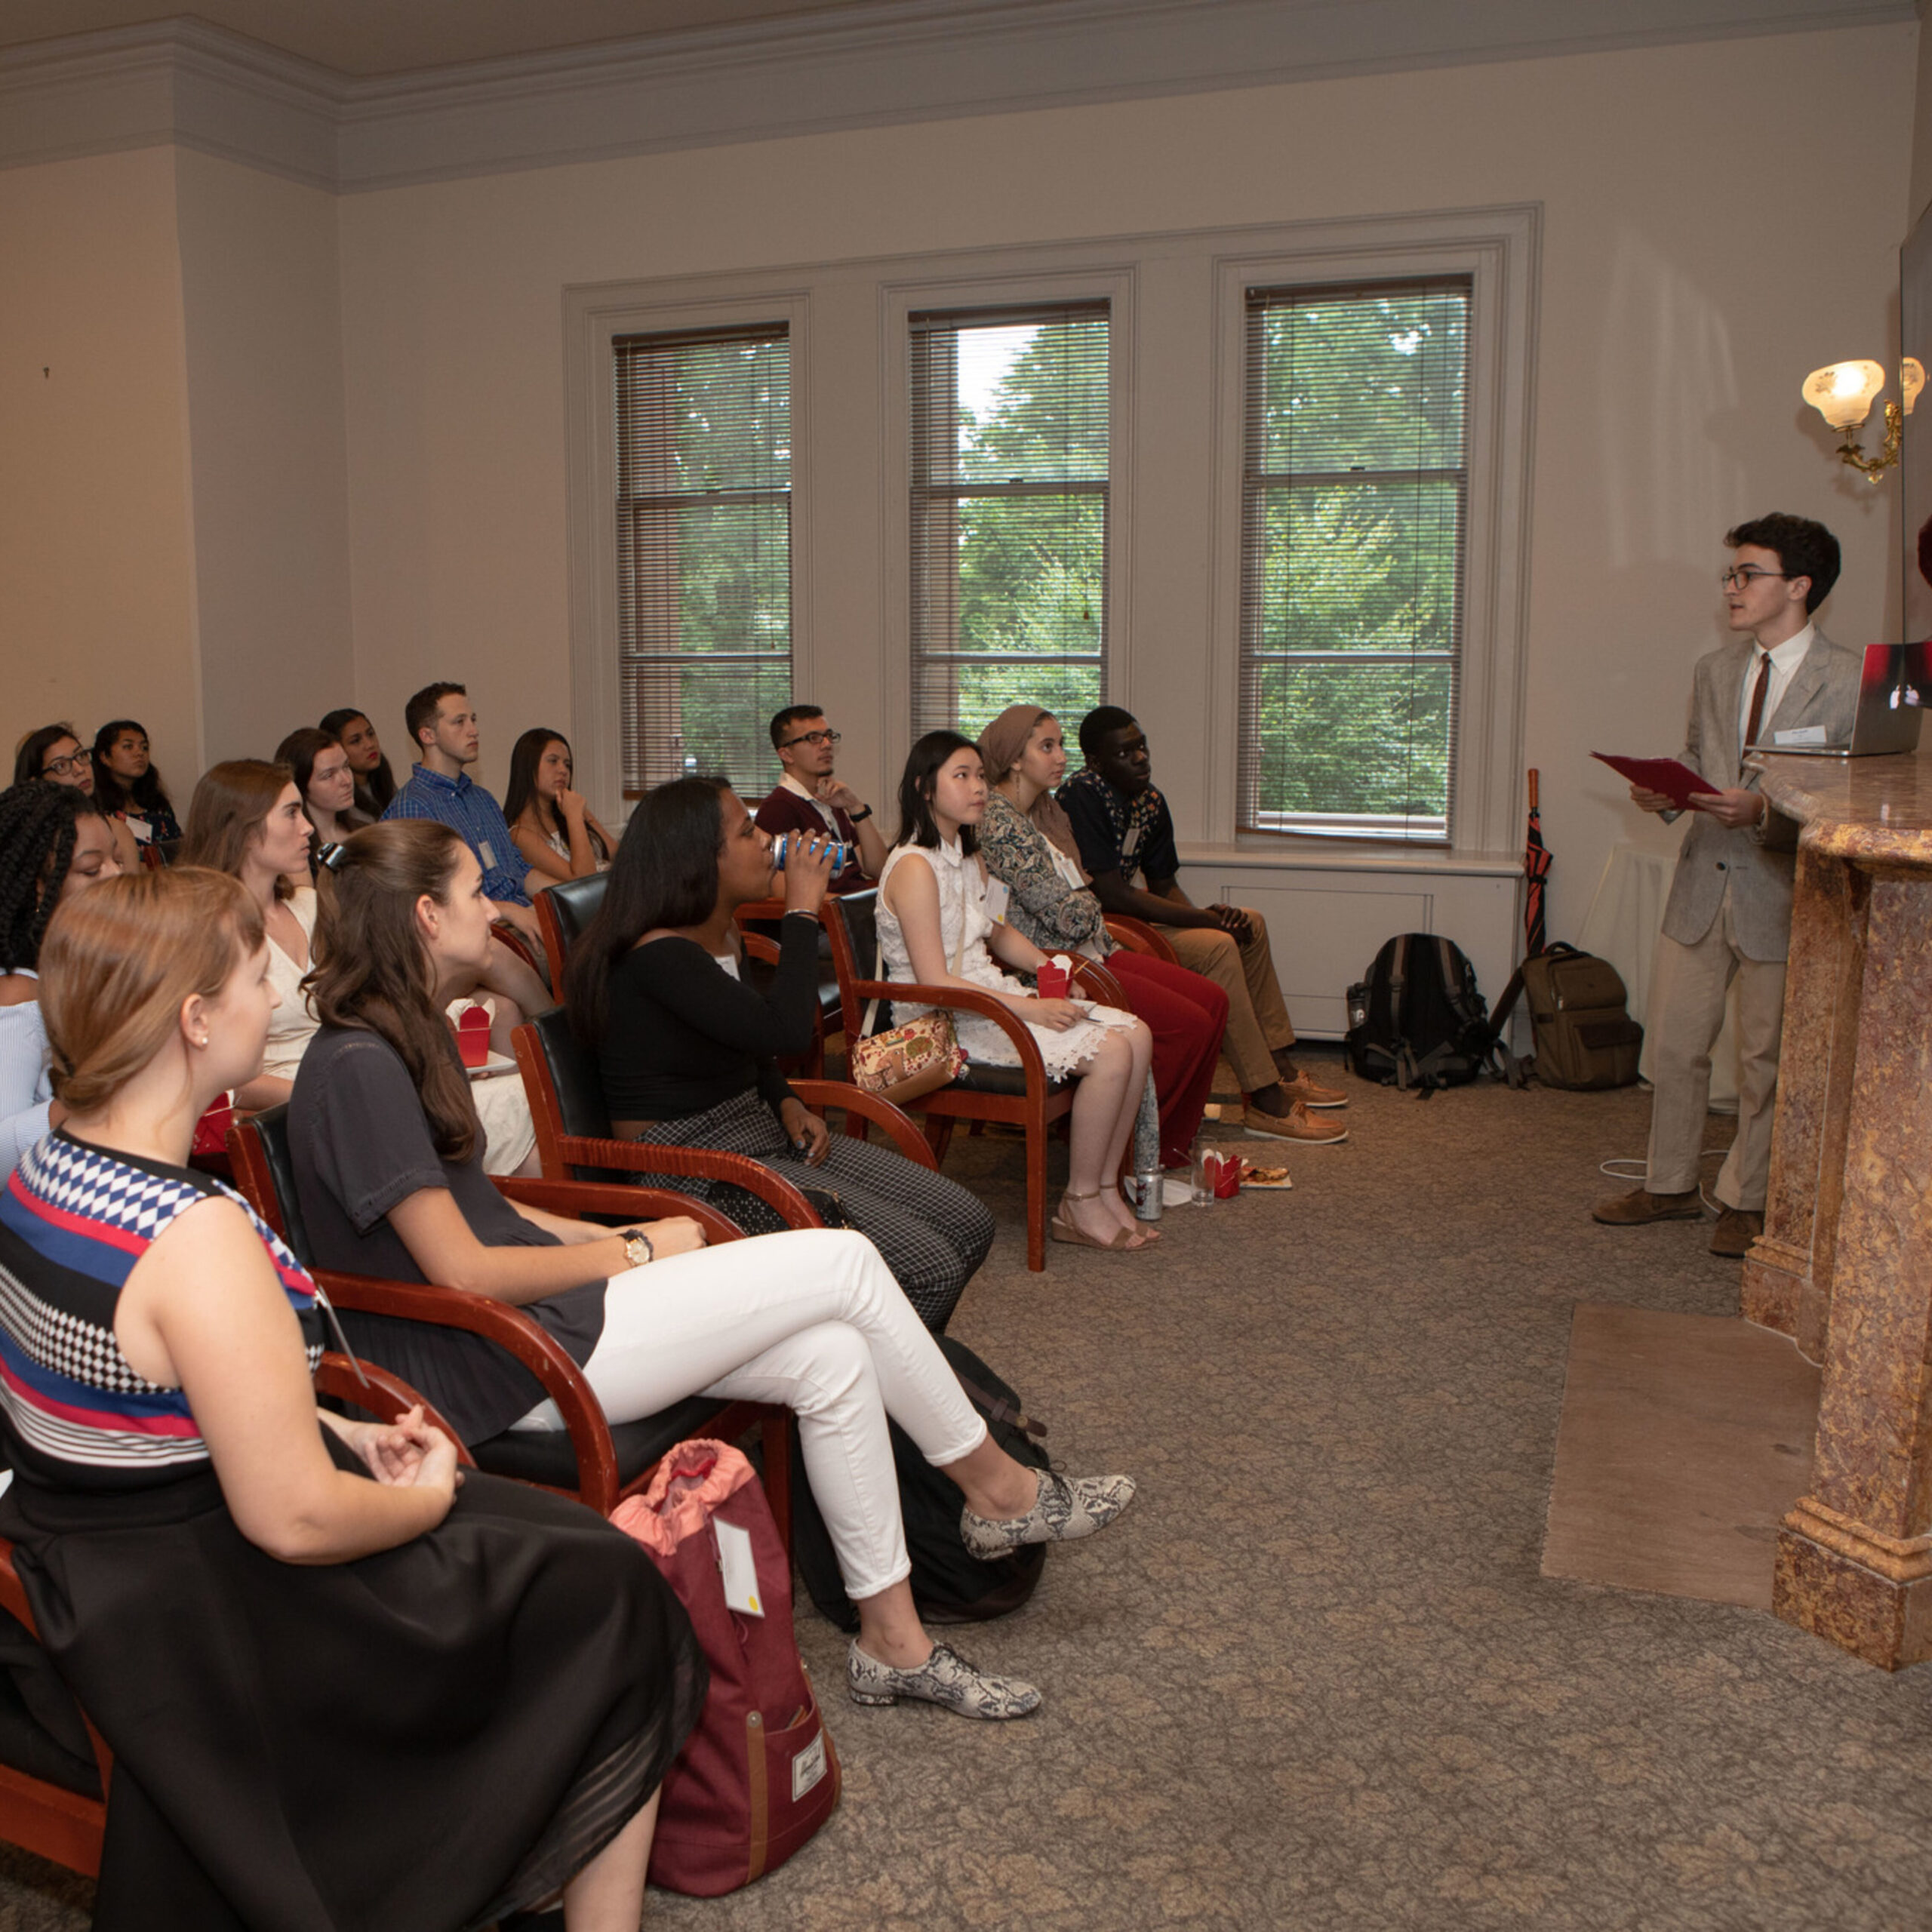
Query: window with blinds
1354, 504
704, 553
1009, 512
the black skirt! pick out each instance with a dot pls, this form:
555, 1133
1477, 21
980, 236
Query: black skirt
428, 1737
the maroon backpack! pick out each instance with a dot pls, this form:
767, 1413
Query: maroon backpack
758, 1775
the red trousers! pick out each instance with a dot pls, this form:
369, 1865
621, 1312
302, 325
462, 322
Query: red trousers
1187, 1013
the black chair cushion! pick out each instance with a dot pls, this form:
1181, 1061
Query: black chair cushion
272, 1125
575, 903
979, 1078
545, 1455
574, 1074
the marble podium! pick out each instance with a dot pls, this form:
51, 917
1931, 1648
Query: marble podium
1845, 1264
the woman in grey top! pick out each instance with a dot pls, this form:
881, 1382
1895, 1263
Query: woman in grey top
386, 1153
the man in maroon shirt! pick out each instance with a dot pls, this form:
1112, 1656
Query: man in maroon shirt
810, 799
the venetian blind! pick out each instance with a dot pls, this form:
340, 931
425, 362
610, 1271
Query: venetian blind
1354, 505
704, 553
1009, 512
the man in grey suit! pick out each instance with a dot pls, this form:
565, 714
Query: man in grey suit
1729, 913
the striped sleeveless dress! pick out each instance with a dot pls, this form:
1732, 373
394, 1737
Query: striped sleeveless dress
431, 1735
74, 1220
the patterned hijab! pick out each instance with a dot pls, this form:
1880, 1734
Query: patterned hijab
1002, 745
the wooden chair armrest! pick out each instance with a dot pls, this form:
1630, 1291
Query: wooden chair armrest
699, 1163
519, 1335
900, 1126
962, 999
369, 1386
757, 946
759, 911
1138, 936
574, 1199
13, 1598
1102, 984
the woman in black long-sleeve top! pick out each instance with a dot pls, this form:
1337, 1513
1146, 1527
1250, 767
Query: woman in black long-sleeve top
689, 1053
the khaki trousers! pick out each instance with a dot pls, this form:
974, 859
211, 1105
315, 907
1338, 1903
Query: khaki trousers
1258, 1024
1688, 985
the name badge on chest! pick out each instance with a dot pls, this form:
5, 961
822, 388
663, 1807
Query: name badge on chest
999, 896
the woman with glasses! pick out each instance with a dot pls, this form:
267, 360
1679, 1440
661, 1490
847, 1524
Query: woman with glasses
345, 1682
689, 1053
811, 799
384, 1144
55, 752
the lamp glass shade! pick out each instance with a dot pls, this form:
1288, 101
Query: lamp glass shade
1842, 394
1911, 380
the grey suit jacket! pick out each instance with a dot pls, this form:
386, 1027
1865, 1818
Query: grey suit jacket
1756, 864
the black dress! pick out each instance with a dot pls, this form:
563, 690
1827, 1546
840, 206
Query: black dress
428, 1737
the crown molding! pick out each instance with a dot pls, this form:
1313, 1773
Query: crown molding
202, 87
178, 82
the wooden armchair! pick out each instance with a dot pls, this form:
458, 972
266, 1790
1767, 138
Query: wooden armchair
574, 1142
590, 1459
1139, 936
1022, 1096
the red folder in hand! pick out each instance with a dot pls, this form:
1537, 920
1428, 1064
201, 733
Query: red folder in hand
1660, 775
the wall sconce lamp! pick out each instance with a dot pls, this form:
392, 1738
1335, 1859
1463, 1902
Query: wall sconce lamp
1843, 394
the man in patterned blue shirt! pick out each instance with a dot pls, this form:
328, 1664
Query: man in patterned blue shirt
442, 726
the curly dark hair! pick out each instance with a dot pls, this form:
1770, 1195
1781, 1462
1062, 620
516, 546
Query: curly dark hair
38, 823
1804, 549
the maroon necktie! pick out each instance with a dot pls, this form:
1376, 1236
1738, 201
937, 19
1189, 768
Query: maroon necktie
1757, 699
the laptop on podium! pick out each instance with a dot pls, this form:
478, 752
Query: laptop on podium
1894, 690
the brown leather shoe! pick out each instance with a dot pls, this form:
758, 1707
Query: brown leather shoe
1639, 1208
1297, 1124
1312, 1094
1737, 1227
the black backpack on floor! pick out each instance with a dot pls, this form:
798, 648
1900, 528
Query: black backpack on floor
1418, 1019
949, 1584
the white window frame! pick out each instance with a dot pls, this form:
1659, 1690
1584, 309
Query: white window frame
999, 288
1497, 249
594, 319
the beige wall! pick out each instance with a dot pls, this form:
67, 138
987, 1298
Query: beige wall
1921, 145
97, 571
261, 293
1677, 321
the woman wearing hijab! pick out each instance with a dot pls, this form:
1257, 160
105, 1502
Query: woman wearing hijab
1029, 844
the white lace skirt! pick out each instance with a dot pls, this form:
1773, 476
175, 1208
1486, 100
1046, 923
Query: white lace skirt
1063, 1052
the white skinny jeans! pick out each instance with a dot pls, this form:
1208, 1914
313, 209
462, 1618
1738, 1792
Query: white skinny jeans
812, 1319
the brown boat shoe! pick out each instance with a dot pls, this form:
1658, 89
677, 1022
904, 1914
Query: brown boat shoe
1640, 1208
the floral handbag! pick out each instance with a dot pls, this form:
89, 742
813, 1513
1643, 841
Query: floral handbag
910, 1061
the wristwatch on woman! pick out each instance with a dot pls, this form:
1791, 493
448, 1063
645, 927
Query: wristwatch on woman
637, 1250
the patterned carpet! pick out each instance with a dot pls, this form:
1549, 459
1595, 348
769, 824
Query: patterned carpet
1314, 1679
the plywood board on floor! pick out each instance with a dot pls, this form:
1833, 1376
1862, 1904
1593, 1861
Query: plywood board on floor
1684, 1440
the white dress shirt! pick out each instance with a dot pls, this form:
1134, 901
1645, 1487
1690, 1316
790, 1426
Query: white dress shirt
1786, 658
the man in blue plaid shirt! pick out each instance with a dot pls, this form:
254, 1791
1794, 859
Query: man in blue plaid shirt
442, 725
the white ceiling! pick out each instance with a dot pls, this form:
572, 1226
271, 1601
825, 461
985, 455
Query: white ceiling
365, 38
